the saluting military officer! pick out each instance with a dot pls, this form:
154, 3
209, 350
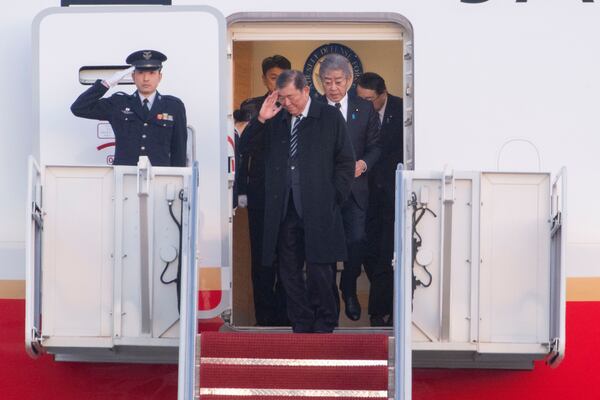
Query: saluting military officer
145, 123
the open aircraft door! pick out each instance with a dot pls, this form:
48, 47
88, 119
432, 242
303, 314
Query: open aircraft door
73, 47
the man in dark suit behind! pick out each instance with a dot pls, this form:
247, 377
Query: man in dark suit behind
335, 74
309, 170
241, 118
380, 216
268, 294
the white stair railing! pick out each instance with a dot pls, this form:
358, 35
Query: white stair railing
188, 328
402, 294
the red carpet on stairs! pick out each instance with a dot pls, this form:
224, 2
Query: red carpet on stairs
293, 366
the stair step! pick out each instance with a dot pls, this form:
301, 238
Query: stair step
327, 378
299, 366
297, 345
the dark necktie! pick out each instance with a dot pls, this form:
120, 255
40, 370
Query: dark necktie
145, 109
339, 107
294, 137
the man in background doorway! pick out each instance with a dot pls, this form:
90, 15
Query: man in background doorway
269, 295
380, 215
361, 120
271, 69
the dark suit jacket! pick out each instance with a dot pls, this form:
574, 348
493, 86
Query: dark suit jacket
236, 157
326, 163
250, 171
363, 127
391, 138
163, 140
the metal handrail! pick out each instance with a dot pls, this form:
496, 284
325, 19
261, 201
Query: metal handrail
33, 263
402, 295
189, 302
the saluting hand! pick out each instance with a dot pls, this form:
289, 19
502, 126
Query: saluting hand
118, 77
270, 108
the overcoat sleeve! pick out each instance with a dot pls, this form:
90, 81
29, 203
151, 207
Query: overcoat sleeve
344, 161
253, 137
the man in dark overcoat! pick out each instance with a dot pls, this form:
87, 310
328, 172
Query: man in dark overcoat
309, 172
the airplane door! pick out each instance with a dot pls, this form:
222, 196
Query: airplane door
77, 45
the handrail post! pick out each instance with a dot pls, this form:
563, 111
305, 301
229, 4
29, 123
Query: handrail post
402, 295
189, 300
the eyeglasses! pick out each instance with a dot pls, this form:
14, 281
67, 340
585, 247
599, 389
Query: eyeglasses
373, 98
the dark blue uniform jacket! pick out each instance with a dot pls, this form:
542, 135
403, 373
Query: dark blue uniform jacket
161, 135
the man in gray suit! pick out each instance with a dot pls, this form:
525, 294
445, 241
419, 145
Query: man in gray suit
362, 122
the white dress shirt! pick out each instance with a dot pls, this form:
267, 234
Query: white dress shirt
344, 105
304, 114
150, 99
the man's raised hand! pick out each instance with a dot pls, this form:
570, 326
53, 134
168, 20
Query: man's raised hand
270, 108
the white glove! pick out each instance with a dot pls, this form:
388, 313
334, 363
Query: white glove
118, 77
242, 201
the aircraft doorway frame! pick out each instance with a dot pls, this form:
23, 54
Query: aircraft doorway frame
262, 26
354, 18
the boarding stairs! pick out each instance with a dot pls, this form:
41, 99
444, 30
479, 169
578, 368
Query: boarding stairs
274, 365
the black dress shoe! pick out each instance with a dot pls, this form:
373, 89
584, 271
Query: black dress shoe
352, 308
377, 320
390, 321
